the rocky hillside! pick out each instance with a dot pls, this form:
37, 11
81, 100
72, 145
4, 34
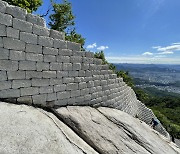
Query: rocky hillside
74, 129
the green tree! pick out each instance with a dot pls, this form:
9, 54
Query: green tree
63, 20
126, 77
29, 5
100, 55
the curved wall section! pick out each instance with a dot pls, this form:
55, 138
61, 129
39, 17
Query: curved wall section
37, 66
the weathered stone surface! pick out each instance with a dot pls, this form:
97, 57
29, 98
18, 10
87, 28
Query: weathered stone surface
57, 35
17, 55
3, 75
50, 51
22, 25
45, 41
28, 38
10, 93
16, 75
4, 53
60, 44
5, 19
2, 30
27, 65
11, 43
16, 12
31, 18
33, 48
11, 32
111, 131
42, 66
34, 57
8, 65
3, 6
29, 130
41, 31
73, 46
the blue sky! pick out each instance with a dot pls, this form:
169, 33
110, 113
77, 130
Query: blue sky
129, 31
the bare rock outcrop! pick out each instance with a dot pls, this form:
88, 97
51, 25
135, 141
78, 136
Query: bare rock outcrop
27, 130
75, 130
112, 131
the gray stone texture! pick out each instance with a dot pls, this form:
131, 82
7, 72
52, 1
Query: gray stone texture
42, 66
64, 59
2, 30
27, 65
5, 19
57, 35
21, 83
55, 66
72, 86
67, 66
63, 95
60, 44
55, 81
62, 74
5, 85
11, 32
10, 93
45, 41
15, 75
1, 42
3, 75
4, 53
49, 58
31, 18
49, 74
34, 57
40, 99
50, 51
29, 91
65, 52
28, 38
22, 25
33, 48
41, 31
41, 21
11, 43
33, 75
8, 65
76, 66
60, 87
25, 100
73, 46
40, 82
45, 90
16, 12
17, 55
3, 6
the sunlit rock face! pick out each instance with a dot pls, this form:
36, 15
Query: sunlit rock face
74, 129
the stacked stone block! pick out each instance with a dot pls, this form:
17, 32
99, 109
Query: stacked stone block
37, 66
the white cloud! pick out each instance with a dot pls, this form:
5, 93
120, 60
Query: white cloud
102, 47
170, 48
166, 53
147, 54
91, 46
178, 43
156, 47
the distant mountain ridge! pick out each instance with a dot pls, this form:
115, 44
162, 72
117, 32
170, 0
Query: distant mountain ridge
147, 67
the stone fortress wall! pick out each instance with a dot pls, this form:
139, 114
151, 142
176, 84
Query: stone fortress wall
37, 66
